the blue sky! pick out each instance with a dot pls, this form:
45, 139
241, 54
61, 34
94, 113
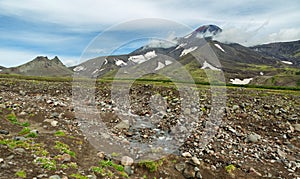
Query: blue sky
65, 28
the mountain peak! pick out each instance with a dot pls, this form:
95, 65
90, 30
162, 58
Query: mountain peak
208, 30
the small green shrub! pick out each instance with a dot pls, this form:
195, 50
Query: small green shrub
230, 168
59, 133
151, 165
21, 174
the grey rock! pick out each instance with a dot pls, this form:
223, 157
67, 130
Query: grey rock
277, 111
196, 160
128, 170
19, 150
253, 138
180, 167
186, 154
281, 154
54, 115
10, 157
235, 107
126, 161
297, 127
189, 173
2, 106
54, 177
198, 175
54, 123
123, 125
93, 176
187, 111
20, 138
5, 132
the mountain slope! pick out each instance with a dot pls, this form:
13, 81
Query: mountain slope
286, 51
41, 66
198, 54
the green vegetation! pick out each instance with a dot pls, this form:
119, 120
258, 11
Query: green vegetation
13, 119
59, 133
114, 154
151, 165
106, 163
103, 168
21, 174
64, 148
79, 176
24, 131
46, 163
230, 168
32, 135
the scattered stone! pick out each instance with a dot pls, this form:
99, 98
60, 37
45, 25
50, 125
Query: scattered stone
54, 123
101, 155
54, 115
10, 157
93, 176
20, 138
126, 161
180, 167
253, 171
1, 160
2, 106
5, 132
277, 111
253, 138
235, 107
189, 172
186, 154
196, 160
128, 170
19, 150
66, 158
123, 125
54, 177
198, 175
281, 154
297, 127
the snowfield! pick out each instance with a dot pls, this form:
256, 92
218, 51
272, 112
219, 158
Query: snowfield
207, 65
237, 81
189, 50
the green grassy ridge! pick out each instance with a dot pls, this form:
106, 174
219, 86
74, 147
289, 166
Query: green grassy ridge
70, 79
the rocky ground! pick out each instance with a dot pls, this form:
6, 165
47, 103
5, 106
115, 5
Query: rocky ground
41, 136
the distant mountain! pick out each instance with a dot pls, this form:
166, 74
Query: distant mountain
241, 65
286, 51
41, 66
196, 53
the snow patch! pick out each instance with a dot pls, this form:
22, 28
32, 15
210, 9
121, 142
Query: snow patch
150, 55
159, 66
287, 62
188, 36
79, 68
142, 58
207, 65
180, 46
105, 62
237, 81
219, 47
120, 62
186, 51
168, 62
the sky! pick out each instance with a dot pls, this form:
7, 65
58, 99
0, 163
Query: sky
68, 28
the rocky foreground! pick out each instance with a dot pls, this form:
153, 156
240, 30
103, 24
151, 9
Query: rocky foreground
41, 137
